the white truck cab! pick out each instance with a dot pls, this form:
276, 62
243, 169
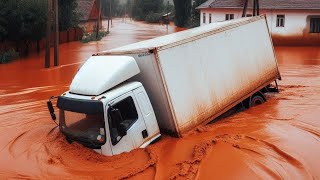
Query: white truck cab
104, 116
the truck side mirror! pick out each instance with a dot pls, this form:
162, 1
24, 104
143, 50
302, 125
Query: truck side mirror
51, 110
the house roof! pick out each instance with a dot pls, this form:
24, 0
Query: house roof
264, 4
84, 8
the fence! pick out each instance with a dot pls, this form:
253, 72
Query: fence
23, 47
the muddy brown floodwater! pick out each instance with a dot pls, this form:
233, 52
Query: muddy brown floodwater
279, 139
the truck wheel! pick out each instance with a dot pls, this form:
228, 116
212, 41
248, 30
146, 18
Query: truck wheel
256, 100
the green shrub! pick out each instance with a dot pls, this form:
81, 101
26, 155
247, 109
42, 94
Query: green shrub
153, 17
8, 56
92, 36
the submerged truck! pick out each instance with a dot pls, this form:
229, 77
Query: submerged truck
124, 98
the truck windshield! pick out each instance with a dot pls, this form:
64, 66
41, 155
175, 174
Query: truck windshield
87, 129
82, 121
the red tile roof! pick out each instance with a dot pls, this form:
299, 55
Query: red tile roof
84, 7
264, 4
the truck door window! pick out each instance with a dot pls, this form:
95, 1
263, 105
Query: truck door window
129, 115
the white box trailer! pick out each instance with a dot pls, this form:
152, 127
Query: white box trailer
119, 98
194, 76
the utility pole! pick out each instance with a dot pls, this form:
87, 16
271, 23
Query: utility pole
254, 8
132, 2
244, 12
167, 18
56, 33
124, 14
111, 12
109, 17
258, 7
99, 18
47, 56
108, 22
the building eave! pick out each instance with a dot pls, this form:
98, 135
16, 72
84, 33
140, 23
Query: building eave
260, 8
264, 4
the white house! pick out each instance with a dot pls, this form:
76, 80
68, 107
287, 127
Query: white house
289, 21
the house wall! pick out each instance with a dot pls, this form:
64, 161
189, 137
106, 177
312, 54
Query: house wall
88, 25
295, 31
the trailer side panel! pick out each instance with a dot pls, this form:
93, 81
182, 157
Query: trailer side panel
206, 75
149, 76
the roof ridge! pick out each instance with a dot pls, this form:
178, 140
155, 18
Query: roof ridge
264, 4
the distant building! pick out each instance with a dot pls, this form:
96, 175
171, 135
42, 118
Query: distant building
88, 10
289, 21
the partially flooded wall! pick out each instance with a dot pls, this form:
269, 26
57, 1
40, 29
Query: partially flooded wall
296, 29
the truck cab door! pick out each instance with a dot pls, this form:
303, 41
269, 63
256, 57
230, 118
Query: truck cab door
131, 119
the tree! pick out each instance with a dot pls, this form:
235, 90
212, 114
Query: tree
183, 12
10, 13
142, 8
3, 22
195, 13
68, 16
23, 21
33, 21
129, 8
116, 8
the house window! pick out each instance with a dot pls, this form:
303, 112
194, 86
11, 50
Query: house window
204, 18
210, 18
229, 16
280, 20
315, 25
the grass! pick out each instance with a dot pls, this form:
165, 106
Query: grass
88, 37
7, 56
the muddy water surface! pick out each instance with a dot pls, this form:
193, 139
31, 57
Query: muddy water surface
278, 139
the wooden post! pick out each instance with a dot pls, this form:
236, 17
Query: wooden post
68, 35
167, 18
47, 56
124, 15
254, 8
258, 7
56, 33
244, 12
109, 17
38, 46
111, 12
130, 9
99, 18
76, 35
